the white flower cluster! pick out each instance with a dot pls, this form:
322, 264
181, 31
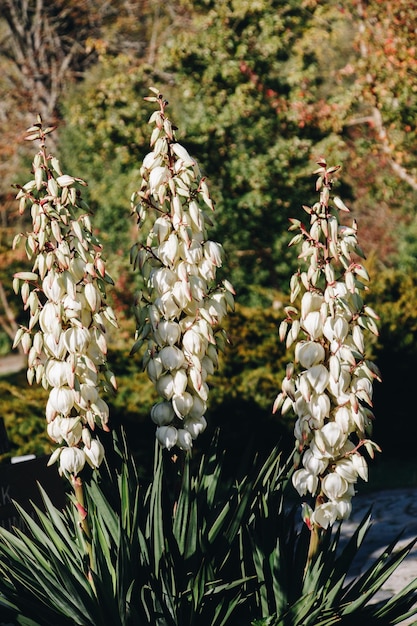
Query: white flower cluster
329, 386
65, 340
179, 313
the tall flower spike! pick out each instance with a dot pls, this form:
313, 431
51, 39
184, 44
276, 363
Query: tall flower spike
180, 311
65, 340
329, 386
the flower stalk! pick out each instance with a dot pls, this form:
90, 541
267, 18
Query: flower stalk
329, 385
65, 295
180, 310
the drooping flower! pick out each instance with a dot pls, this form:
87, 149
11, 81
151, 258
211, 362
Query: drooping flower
181, 308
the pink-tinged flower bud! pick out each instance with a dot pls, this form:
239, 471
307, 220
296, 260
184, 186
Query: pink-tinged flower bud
182, 404
172, 358
309, 353
195, 425
334, 486
162, 413
167, 436
312, 325
94, 453
61, 400
184, 441
71, 461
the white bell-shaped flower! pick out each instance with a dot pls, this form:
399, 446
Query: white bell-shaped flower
334, 486
71, 460
182, 404
184, 440
304, 482
312, 324
172, 358
309, 353
62, 400
167, 436
325, 515
195, 425
94, 453
162, 413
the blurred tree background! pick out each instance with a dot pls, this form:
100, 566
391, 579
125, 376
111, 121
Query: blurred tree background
259, 90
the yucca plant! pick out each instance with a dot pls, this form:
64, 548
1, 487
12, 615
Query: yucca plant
159, 557
295, 591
